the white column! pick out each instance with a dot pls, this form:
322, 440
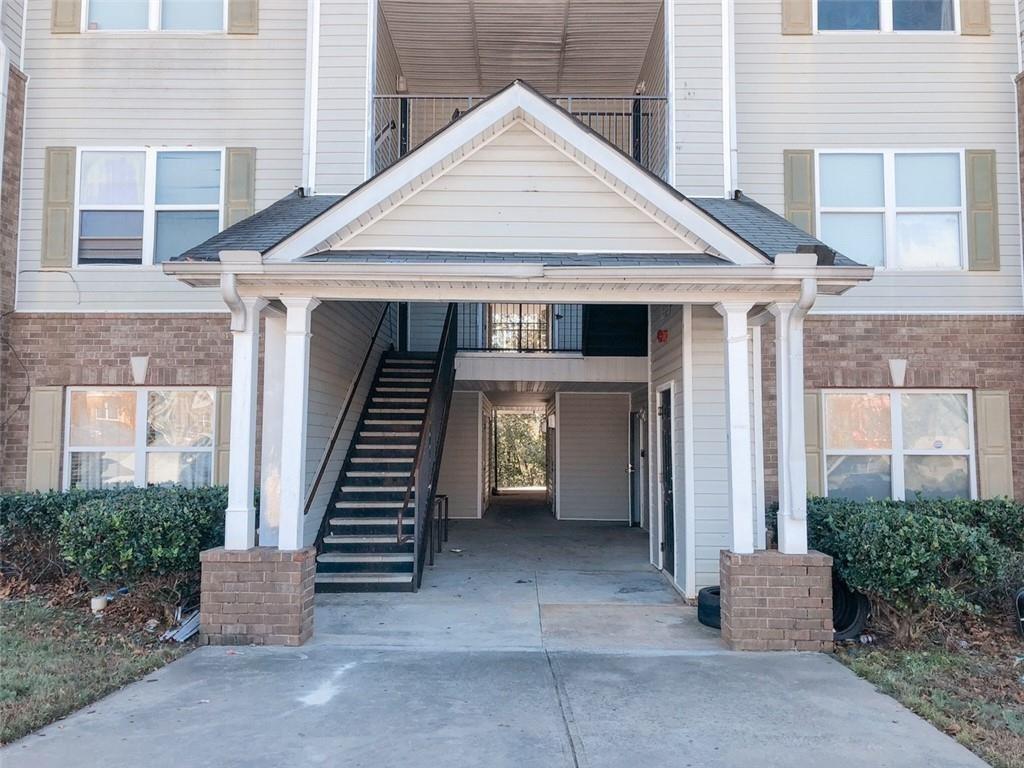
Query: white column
240, 517
740, 435
272, 427
789, 403
295, 398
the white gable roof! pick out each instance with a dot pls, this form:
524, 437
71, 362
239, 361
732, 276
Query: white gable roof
406, 206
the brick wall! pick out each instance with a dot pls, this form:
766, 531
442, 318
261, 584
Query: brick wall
968, 352
10, 199
776, 602
80, 349
10, 187
257, 596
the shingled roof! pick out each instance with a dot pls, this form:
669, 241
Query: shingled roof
764, 229
263, 230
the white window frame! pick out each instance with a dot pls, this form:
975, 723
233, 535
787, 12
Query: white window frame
139, 449
890, 210
885, 23
155, 15
149, 206
896, 451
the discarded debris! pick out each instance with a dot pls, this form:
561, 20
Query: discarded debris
456, 551
187, 617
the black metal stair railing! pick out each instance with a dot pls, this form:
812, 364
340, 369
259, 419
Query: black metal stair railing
356, 386
422, 487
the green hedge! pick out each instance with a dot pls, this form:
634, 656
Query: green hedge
921, 562
118, 536
129, 536
38, 513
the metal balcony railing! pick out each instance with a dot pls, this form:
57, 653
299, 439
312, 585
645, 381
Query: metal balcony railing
518, 327
637, 125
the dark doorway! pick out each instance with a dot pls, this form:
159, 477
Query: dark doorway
668, 535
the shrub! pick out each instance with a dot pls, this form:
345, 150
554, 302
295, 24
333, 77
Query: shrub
29, 525
920, 562
38, 512
142, 533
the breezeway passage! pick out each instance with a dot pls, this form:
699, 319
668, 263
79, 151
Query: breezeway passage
542, 644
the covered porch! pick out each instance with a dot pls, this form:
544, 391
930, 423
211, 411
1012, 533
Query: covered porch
352, 429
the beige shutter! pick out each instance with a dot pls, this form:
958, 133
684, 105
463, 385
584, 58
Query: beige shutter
982, 213
239, 184
812, 439
58, 207
975, 17
799, 187
45, 406
220, 451
995, 468
66, 16
796, 17
243, 17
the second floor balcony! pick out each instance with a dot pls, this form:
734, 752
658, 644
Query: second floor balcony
636, 125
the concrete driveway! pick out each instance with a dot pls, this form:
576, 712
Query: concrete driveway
500, 661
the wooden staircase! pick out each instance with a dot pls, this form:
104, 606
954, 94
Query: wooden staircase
359, 549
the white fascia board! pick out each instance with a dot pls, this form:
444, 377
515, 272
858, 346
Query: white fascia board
497, 282
474, 123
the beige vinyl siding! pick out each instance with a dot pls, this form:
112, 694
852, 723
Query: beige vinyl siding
341, 332
10, 29
486, 451
887, 91
517, 192
712, 527
652, 72
134, 89
426, 321
593, 456
388, 65
342, 120
697, 96
460, 462
667, 368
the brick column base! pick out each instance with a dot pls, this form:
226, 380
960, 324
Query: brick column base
260, 596
776, 602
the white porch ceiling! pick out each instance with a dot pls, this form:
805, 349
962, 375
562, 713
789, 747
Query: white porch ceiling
558, 46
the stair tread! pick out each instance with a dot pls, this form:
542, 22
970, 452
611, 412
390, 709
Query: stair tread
390, 520
365, 576
365, 557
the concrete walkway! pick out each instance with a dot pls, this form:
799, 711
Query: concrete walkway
540, 644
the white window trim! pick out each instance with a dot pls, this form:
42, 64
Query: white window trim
896, 450
154, 23
890, 210
885, 23
149, 206
139, 449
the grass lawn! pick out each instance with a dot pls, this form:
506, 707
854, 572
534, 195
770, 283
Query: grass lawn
976, 695
54, 661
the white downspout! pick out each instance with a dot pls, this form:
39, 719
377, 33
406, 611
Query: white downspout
229, 292
729, 142
311, 99
796, 465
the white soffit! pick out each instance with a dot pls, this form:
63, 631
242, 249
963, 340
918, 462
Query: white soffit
479, 126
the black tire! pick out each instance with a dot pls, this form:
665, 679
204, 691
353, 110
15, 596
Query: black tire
709, 607
850, 611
